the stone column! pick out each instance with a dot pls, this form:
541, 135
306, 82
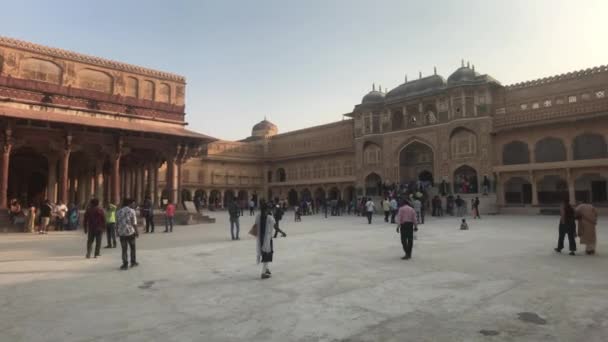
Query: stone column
571, 191
127, 178
500, 191
116, 183
63, 174
81, 190
142, 183
155, 192
99, 180
178, 172
534, 189
6, 153
174, 187
51, 186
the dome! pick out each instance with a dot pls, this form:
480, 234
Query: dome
264, 128
373, 96
463, 74
419, 86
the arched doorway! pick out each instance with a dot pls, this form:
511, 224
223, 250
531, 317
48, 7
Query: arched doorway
334, 194
292, 197
214, 199
518, 191
28, 176
305, 195
186, 195
552, 190
349, 194
426, 177
243, 196
415, 159
373, 185
320, 194
228, 197
465, 180
591, 188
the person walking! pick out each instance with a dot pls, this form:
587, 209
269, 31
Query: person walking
126, 228
394, 207
587, 221
567, 226
45, 216
251, 207
169, 216
369, 209
278, 215
111, 226
476, 208
407, 223
233, 212
264, 224
148, 214
418, 209
386, 207
94, 225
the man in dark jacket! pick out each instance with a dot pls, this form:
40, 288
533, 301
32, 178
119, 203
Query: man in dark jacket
234, 211
94, 225
148, 214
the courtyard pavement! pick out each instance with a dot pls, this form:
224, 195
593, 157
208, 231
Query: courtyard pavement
335, 279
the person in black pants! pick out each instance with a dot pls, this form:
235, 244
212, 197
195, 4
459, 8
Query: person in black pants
407, 224
567, 226
94, 225
148, 213
278, 215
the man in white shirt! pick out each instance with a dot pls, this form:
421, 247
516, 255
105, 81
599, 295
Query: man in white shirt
394, 207
369, 209
60, 212
417, 208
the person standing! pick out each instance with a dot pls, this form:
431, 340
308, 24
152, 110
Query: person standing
587, 221
126, 228
407, 223
94, 225
417, 210
386, 207
459, 206
251, 207
264, 247
369, 209
60, 212
278, 215
233, 212
169, 216
394, 206
73, 217
486, 185
45, 216
476, 208
567, 226
111, 226
148, 214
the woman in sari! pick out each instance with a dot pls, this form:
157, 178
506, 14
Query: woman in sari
587, 220
265, 223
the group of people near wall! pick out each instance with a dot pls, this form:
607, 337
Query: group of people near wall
38, 217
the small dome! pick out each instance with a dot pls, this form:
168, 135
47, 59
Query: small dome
373, 96
462, 75
419, 86
264, 128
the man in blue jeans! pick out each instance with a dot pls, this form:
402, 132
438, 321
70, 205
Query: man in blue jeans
234, 212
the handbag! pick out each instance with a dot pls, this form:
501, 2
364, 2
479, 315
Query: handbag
254, 230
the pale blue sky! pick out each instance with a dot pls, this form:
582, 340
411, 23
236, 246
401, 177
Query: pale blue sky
307, 62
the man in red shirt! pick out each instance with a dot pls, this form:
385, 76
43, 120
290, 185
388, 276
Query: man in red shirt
407, 223
94, 225
169, 214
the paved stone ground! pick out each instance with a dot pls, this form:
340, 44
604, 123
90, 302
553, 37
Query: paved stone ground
335, 279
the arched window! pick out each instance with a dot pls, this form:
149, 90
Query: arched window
549, 150
397, 120
589, 146
95, 80
463, 143
132, 87
515, 152
373, 184
40, 70
372, 154
281, 176
148, 90
164, 93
